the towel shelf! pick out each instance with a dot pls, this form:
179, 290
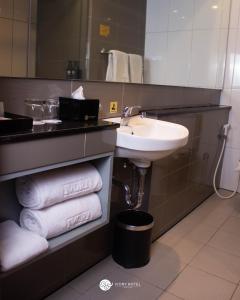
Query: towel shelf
73, 252
10, 208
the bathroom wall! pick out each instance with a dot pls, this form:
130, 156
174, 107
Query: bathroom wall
114, 25
186, 42
182, 170
14, 28
231, 96
13, 91
58, 44
183, 180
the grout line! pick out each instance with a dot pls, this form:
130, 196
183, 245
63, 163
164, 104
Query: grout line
227, 252
234, 292
218, 229
227, 219
162, 292
183, 269
227, 54
215, 275
170, 293
200, 249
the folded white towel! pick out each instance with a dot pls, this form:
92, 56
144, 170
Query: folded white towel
135, 68
48, 188
18, 245
117, 69
57, 219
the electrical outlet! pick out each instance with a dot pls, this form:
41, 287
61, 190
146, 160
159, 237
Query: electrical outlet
113, 107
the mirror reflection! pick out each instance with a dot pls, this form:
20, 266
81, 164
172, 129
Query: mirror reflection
171, 42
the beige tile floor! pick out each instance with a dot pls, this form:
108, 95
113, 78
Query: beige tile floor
198, 259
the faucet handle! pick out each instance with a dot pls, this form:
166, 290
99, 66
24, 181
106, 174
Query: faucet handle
125, 110
129, 111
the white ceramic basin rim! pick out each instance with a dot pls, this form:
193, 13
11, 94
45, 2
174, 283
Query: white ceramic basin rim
145, 140
145, 134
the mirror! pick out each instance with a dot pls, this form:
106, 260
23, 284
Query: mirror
183, 42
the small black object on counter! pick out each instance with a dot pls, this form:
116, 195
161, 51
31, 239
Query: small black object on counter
78, 110
12, 123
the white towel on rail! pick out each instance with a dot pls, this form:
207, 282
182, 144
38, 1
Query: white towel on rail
57, 219
44, 189
135, 68
18, 245
117, 69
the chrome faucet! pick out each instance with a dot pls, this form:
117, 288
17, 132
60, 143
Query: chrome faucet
129, 111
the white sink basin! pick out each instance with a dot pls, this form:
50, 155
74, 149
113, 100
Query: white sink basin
145, 139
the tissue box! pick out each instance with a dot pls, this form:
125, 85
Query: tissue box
78, 110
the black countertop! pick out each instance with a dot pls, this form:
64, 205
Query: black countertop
170, 110
54, 130
75, 127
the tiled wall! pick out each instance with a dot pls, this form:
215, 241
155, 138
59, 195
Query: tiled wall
14, 91
14, 18
59, 37
186, 42
231, 96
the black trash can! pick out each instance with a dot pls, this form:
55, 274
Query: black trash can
132, 238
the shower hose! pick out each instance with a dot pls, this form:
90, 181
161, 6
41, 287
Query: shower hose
216, 170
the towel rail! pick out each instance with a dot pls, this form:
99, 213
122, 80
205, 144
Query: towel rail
104, 51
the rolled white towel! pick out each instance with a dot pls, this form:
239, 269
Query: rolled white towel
18, 245
57, 219
44, 189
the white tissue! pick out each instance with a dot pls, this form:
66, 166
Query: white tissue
78, 94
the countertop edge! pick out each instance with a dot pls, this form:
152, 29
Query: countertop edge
78, 128
184, 110
31, 135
